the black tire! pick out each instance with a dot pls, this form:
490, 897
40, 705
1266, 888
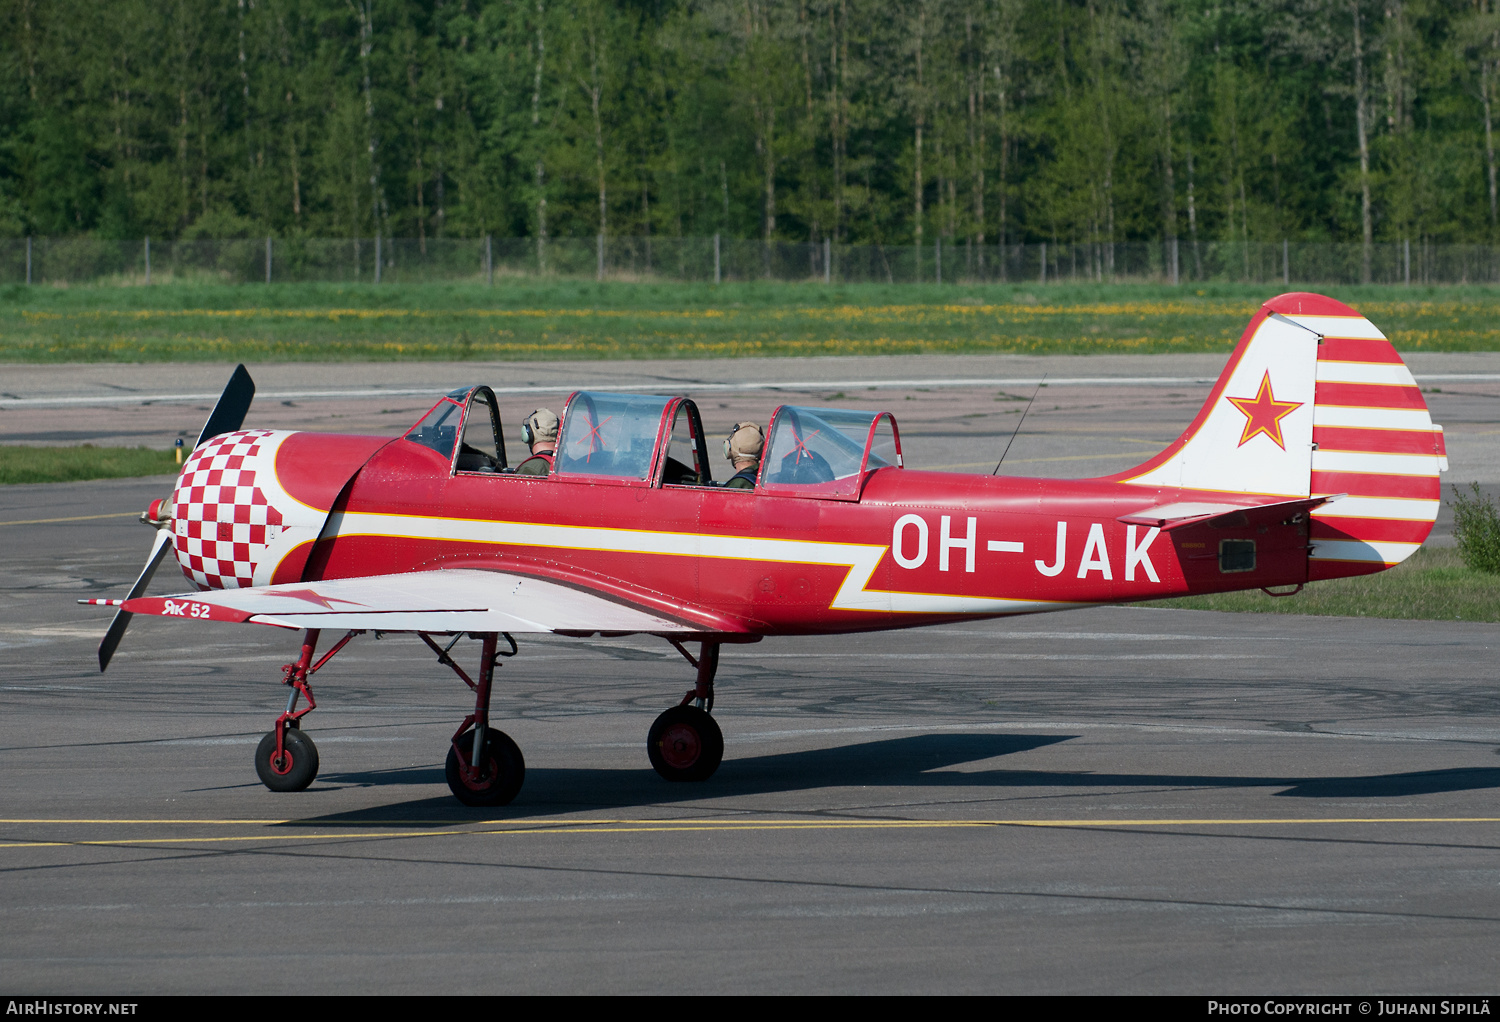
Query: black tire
685, 744
504, 770
287, 776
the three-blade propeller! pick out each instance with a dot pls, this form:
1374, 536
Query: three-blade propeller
228, 415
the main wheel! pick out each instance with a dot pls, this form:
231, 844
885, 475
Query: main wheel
294, 769
685, 744
501, 770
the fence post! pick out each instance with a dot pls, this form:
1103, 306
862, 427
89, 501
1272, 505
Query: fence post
1044, 262
1286, 261
268, 259
28, 259
827, 261
148, 258
716, 257
489, 261
599, 274
938, 258
377, 253
1175, 278
1408, 262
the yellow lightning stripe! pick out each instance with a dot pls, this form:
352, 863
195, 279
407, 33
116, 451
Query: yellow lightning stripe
686, 826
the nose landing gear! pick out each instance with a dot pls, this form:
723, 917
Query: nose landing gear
286, 759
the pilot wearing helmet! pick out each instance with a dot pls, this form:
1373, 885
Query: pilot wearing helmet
743, 447
539, 431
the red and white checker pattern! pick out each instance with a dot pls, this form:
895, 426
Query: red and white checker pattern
222, 519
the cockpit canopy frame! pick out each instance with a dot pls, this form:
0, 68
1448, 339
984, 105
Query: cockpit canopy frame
626, 440
646, 440
827, 453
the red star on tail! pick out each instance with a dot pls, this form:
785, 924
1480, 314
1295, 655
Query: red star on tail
1263, 413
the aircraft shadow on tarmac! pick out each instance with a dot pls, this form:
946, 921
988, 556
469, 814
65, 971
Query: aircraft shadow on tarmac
918, 761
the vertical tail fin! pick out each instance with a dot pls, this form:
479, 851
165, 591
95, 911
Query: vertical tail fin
1315, 401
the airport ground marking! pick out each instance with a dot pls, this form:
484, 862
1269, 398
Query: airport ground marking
489, 828
75, 518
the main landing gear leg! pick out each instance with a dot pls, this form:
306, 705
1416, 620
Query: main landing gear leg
286, 759
685, 743
494, 775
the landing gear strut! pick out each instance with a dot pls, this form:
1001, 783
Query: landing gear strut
484, 768
286, 759
685, 743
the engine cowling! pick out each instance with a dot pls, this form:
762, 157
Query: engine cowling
249, 504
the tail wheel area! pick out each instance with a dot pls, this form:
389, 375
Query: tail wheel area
499, 771
685, 744
294, 768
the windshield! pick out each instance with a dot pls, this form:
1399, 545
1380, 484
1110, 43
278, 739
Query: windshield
818, 445
439, 428
610, 434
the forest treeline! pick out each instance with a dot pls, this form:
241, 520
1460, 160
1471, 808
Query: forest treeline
889, 121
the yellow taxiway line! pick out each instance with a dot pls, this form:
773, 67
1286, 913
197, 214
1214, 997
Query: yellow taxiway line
689, 825
74, 518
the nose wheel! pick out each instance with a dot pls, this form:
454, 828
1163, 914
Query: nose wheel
286, 759
293, 768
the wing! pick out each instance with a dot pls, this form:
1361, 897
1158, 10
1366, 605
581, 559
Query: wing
459, 600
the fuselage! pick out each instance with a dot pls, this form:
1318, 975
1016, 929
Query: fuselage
914, 547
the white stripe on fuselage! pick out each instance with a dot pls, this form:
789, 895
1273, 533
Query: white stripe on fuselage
860, 559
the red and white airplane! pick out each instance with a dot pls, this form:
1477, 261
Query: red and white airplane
1313, 458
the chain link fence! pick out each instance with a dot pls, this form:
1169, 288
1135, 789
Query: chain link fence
96, 261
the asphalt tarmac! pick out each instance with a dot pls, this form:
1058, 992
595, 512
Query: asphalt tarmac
1106, 801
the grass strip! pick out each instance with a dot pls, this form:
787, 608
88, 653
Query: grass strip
74, 464
1433, 584
577, 320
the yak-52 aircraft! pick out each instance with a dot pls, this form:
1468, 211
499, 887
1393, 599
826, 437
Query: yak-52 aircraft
1313, 458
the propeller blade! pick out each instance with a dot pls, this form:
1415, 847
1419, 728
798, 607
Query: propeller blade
117, 627
229, 414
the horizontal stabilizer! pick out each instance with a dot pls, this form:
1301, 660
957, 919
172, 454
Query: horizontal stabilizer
1175, 516
462, 600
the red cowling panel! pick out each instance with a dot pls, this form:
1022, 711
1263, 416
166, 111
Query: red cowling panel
313, 467
291, 566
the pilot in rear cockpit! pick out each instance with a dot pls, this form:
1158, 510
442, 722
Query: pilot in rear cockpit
743, 447
539, 431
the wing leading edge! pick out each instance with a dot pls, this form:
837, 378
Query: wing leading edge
456, 600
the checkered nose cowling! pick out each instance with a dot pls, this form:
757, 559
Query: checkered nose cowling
224, 508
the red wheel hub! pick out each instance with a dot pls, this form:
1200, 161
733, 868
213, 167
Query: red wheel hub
281, 765
680, 746
481, 776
